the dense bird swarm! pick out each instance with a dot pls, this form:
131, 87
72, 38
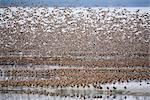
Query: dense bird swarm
93, 46
76, 32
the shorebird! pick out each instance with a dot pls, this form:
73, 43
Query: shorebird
125, 87
100, 87
114, 88
107, 88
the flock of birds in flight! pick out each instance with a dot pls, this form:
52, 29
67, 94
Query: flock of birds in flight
45, 31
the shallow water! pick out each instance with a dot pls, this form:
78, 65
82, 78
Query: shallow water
135, 90
11, 96
76, 3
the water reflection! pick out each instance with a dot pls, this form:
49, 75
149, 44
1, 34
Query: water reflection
23, 96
